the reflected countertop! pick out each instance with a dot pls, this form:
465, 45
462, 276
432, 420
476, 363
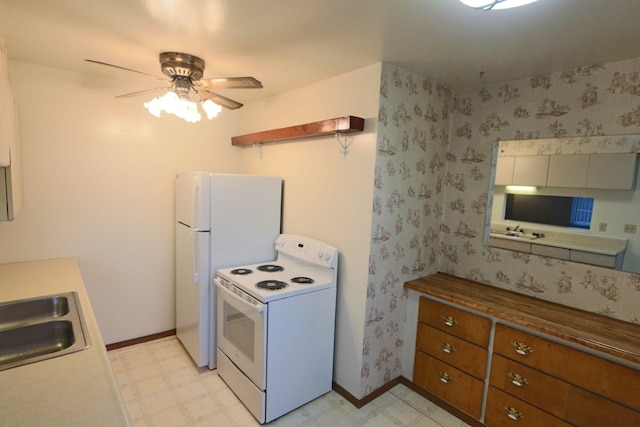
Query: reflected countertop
573, 241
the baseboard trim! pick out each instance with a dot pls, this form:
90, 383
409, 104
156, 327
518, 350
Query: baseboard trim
359, 403
140, 340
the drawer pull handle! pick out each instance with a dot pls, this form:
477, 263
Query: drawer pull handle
445, 378
513, 413
521, 348
450, 321
448, 348
518, 379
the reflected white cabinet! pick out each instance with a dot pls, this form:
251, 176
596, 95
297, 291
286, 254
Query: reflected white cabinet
530, 170
568, 171
504, 170
612, 171
522, 170
617, 171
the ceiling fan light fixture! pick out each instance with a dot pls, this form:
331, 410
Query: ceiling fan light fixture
211, 108
495, 4
186, 88
171, 103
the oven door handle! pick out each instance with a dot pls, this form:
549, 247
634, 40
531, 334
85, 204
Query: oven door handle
257, 308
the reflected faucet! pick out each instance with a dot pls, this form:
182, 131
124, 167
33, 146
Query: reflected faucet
514, 232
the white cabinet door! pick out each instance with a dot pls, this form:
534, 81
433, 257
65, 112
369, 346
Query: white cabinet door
504, 170
530, 170
568, 171
612, 171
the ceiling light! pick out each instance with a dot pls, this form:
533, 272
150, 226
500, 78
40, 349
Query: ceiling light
182, 106
521, 188
495, 4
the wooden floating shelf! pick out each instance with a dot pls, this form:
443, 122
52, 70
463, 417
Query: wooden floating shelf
348, 124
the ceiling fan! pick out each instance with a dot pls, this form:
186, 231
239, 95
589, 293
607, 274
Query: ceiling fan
184, 77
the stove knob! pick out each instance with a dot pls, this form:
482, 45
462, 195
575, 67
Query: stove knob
327, 256
320, 253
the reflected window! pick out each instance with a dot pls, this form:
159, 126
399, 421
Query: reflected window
581, 210
550, 210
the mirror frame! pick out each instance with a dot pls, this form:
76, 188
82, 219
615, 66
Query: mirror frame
558, 146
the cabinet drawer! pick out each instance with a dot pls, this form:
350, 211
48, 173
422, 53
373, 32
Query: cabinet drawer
456, 322
536, 388
448, 383
561, 399
506, 410
601, 376
586, 409
459, 353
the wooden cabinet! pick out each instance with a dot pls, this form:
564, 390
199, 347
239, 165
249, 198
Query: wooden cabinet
456, 352
451, 355
534, 379
530, 385
450, 384
455, 321
606, 378
504, 409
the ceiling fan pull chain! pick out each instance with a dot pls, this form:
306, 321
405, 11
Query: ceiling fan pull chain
345, 142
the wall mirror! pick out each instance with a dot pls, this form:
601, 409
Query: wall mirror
575, 199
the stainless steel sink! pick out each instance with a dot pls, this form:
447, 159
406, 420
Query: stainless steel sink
25, 311
36, 329
515, 235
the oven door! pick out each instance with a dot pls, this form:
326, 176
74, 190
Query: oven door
241, 330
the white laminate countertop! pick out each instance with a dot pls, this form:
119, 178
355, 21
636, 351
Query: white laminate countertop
77, 389
574, 241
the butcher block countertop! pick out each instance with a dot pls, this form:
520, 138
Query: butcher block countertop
77, 389
604, 334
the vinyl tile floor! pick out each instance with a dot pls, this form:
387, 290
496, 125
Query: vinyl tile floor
162, 387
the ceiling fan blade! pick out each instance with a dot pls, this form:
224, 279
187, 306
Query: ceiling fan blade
219, 99
231, 83
128, 69
144, 92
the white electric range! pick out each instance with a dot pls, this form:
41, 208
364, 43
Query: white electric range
276, 324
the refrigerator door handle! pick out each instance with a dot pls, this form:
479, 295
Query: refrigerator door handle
195, 198
195, 255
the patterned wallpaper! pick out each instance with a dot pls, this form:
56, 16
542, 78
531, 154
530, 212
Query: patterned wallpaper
432, 177
582, 102
412, 139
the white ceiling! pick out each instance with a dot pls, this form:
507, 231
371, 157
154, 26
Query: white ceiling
291, 43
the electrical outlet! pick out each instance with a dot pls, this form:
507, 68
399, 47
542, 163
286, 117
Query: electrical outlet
630, 228
602, 227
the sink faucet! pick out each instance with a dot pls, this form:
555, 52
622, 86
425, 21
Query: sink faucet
515, 230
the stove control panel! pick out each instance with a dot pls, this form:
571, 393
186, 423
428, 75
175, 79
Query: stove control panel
307, 249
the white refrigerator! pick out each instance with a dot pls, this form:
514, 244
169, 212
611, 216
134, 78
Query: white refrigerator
222, 220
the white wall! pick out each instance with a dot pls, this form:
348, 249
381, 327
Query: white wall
99, 186
327, 196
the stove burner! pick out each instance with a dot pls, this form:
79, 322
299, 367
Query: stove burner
270, 268
303, 280
241, 271
271, 285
